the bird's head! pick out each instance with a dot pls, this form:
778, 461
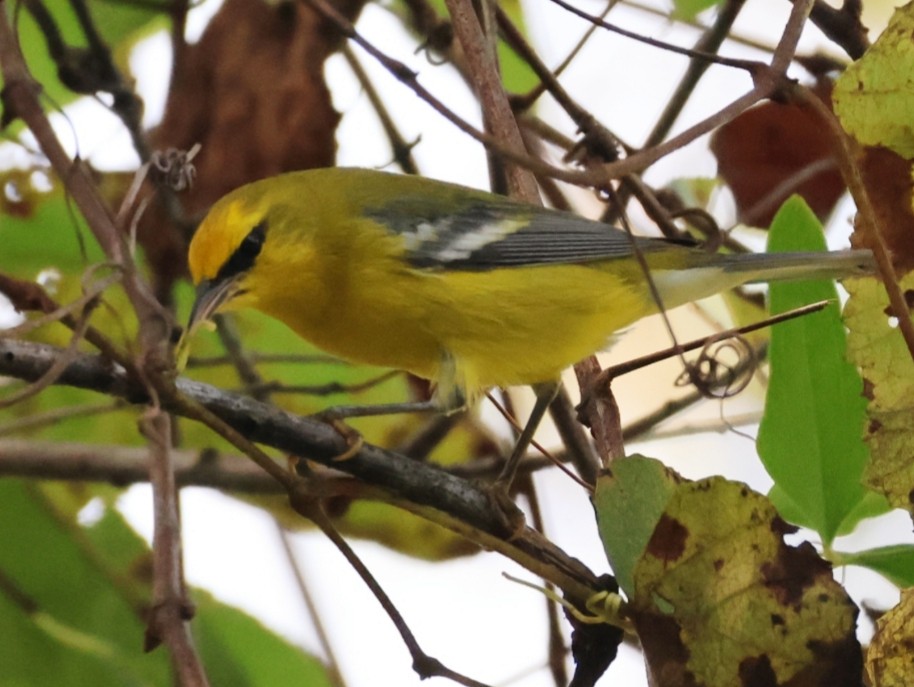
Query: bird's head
224, 252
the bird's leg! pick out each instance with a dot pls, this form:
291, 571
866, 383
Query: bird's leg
499, 492
336, 416
545, 393
338, 413
451, 401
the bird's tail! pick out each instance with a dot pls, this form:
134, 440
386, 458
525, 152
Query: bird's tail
710, 273
766, 267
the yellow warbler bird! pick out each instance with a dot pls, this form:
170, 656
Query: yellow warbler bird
464, 288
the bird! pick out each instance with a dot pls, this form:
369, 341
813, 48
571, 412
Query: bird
465, 288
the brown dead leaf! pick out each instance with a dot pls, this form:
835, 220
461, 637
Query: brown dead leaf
772, 151
888, 181
251, 92
26, 296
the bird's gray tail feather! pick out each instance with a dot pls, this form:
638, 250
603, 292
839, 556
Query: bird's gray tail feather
765, 267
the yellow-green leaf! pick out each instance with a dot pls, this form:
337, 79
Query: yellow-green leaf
721, 600
877, 348
874, 97
890, 657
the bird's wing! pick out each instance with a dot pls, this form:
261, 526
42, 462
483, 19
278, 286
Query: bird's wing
488, 233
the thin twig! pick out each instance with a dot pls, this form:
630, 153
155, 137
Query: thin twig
425, 666
595, 134
52, 417
123, 465
557, 647
322, 389
526, 101
402, 151
20, 96
767, 80
711, 58
842, 26
574, 437
517, 427
28, 296
267, 358
297, 490
333, 666
602, 414
708, 44
59, 313
652, 358
54, 371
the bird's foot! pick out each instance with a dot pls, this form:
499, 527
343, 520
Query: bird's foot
353, 438
510, 517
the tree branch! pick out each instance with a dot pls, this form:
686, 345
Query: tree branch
418, 487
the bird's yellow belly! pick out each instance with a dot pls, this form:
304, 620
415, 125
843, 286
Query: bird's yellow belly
527, 327
468, 331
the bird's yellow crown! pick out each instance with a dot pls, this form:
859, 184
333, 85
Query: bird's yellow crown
222, 231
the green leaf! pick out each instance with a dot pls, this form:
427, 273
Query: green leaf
516, 74
787, 509
689, 9
73, 625
810, 436
895, 563
629, 501
75, 600
872, 505
45, 233
237, 650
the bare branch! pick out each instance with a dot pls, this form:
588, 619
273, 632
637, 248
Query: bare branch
421, 488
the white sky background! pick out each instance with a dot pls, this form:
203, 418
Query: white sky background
463, 612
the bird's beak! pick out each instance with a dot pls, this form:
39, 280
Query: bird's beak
210, 295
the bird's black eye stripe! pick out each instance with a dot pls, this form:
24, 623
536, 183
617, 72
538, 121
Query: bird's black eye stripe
245, 254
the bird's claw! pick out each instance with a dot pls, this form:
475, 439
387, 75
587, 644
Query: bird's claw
353, 438
510, 517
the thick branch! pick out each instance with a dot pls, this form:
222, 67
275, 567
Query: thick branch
418, 487
496, 109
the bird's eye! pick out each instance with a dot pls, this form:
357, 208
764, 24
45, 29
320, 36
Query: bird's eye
254, 241
245, 254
